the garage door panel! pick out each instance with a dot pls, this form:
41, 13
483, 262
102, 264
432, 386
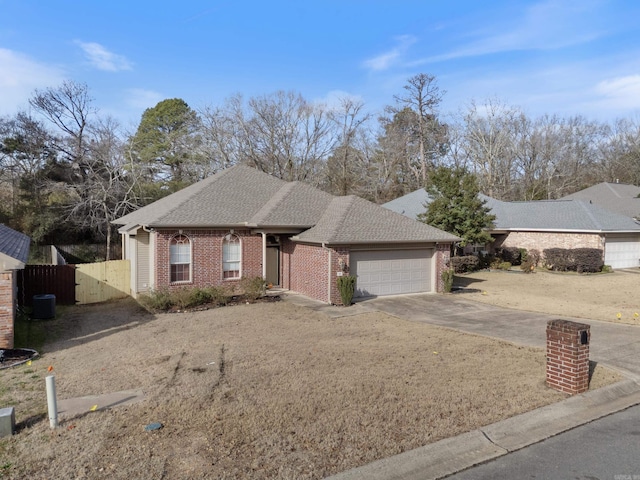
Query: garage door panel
391, 272
622, 251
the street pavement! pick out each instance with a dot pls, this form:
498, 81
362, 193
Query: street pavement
608, 448
613, 345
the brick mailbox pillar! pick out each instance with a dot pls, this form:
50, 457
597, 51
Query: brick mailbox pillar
568, 356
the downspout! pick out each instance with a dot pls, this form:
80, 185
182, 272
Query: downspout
264, 255
151, 281
435, 272
328, 273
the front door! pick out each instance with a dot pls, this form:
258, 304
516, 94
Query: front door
273, 265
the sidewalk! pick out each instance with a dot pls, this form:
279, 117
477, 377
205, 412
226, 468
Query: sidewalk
72, 407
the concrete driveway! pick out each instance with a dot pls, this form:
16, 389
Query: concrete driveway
614, 345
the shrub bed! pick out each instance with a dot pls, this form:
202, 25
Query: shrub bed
513, 255
581, 260
464, 264
162, 300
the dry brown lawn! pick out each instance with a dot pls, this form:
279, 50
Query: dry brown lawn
258, 391
611, 297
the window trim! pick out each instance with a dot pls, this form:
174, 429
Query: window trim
228, 240
189, 242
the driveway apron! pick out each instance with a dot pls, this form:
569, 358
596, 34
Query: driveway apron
614, 345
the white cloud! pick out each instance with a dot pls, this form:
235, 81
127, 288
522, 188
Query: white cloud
333, 99
620, 92
143, 99
20, 76
547, 25
386, 60
103, 59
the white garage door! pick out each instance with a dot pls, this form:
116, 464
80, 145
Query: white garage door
622, 251
391, 272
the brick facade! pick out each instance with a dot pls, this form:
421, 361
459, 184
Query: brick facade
303, 268
206, 256
542, 240
568, 356
7, 308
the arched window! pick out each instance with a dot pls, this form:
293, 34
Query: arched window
231, 257
180, 259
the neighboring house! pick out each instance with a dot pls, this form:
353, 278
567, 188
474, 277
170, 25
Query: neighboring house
619, 198
241, 222
14, 251
550, 224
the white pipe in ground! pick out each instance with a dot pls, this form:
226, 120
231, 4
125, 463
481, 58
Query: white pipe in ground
52, 403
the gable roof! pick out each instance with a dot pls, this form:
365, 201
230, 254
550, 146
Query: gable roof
410, 205
540, 215
295, 204
242, 196
559, 215
351, 219
14, 248
228, 198
619, 198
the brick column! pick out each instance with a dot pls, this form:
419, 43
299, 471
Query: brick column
7, 309
568, 356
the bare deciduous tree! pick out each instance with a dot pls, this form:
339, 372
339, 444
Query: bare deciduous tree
287, 136
488, 138
346, 170
69, 108
111, 187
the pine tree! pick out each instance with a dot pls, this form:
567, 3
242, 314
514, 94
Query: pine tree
456, 207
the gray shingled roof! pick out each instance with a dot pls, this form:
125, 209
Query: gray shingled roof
619, 198
559, 215
556, 215
14, 244
410, 205
244, 196
295, 204
228, 198
351, 219
413, 204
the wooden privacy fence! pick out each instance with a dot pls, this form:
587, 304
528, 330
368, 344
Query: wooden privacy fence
59, 280
71, 284
99, 282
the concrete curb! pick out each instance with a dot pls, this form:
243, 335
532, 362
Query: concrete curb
455, 454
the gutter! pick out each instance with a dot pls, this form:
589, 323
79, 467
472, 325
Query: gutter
296, 238
558, 230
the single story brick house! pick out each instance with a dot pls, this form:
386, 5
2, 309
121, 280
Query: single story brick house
241, 222
14, 251
550, 224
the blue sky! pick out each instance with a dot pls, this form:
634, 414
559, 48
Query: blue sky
555, 56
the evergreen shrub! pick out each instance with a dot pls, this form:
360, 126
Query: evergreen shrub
347, 287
